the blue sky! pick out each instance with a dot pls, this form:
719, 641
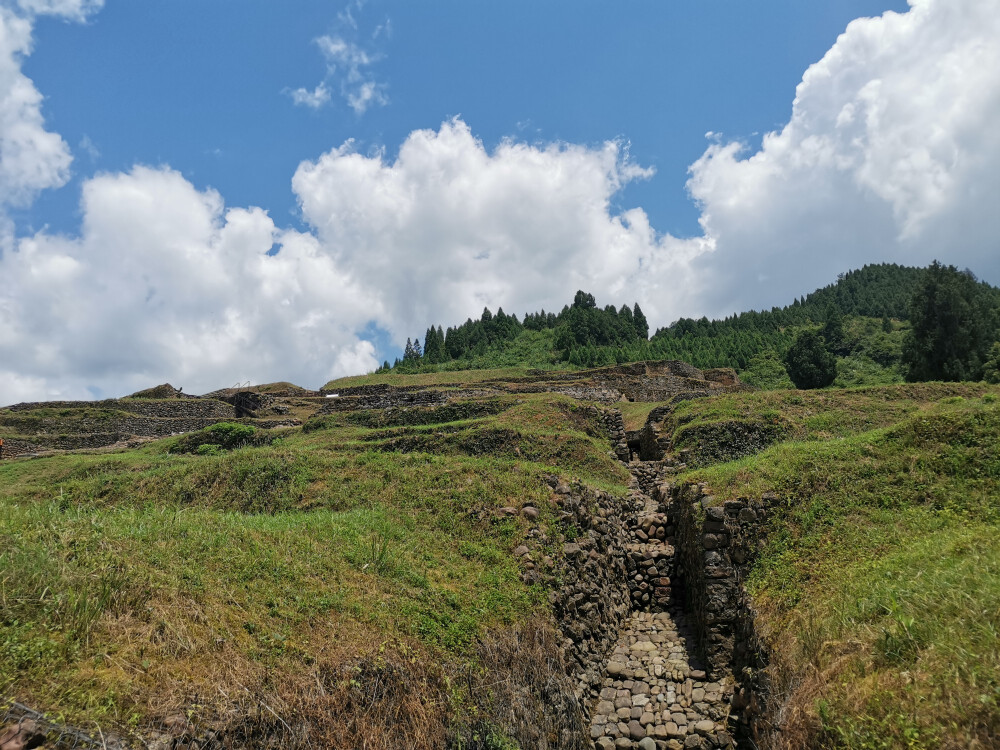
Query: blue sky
205, 192
202, 88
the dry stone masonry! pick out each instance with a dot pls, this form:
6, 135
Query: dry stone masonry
653, 697
653, 693
648, 593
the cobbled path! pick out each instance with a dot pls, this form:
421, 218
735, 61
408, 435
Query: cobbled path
651, 697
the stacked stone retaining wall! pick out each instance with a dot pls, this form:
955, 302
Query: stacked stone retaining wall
718, 542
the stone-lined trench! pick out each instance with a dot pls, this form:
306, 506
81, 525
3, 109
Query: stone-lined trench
656, 620
654, 693
658, 633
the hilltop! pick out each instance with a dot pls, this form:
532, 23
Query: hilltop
865, 315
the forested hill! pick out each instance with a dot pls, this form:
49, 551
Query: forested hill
864, 317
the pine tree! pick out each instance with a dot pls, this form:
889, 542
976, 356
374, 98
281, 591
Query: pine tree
991, 370
952, 327
833, 330
639, 322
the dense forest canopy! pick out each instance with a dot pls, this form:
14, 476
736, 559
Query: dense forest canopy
863, 319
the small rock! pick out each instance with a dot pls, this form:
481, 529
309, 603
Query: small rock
605, 708
647, 743
636, 730
704, 727
21, 736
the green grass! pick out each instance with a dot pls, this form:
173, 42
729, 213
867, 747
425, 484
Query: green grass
827, 413
880, 579
634, 413
141, 578
129, 579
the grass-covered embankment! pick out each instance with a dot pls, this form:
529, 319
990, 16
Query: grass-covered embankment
135, 582
879, 584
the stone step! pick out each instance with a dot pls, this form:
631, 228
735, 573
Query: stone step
653, 697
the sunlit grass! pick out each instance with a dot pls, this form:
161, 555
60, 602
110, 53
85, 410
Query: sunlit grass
880, 578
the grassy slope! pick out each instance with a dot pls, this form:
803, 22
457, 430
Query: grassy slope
136, 580
132, 582
880, 581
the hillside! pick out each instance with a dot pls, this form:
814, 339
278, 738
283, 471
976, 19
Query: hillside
865, 313
492, 559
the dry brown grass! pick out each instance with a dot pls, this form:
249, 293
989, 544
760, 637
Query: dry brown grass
359, 692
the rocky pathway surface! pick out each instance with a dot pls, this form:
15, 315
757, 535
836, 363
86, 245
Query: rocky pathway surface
652, 698
653, 694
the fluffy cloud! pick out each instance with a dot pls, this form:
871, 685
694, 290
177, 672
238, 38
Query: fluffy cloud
891, 154
31, 158
166, 283
449, 227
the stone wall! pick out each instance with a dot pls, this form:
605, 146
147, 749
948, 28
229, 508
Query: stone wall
383, 399
180, 407
721, 441
640, 381
587, 576
207, 408
717, 544
120, 430
614, 425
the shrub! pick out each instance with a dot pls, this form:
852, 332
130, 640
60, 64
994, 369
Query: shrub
224, 436
808, 363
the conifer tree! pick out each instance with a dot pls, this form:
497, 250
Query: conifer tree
639, 323
953, 327
991, 370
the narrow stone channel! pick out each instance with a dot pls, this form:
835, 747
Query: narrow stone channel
654, 695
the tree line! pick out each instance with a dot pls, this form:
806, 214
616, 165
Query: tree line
884, 321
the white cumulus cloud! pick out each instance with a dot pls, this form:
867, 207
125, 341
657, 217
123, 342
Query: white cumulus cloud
31, 158
892, 153
449, 227
166, 283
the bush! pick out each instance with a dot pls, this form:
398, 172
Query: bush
808, 363
224, 436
